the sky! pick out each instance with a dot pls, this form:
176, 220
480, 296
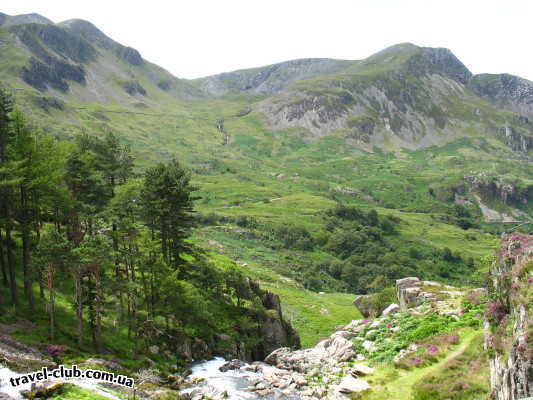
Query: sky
194, 38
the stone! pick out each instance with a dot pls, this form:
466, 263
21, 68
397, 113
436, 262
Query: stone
369, 346
391, 309
343, 334
335, 349
360, 369
407, 290
362, 306
231, 365
349, 384
154, 349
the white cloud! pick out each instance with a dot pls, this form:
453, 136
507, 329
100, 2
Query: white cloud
201, 37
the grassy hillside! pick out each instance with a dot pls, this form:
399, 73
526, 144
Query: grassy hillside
427, 154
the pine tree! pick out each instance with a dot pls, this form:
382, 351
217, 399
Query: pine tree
168, 209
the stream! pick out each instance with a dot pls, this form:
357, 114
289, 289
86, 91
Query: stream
233, 382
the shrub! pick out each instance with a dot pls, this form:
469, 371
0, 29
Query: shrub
495, 312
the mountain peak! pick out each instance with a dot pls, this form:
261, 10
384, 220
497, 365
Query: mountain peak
32, 18
89, 32
421, 60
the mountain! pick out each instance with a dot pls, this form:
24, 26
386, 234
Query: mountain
505, 91
75, 61
9, 20
319, 184
269, 79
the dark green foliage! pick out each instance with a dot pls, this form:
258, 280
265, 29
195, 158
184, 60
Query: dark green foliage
167, 209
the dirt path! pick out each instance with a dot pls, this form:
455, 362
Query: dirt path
400, 388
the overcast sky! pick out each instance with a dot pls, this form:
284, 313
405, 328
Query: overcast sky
202, 37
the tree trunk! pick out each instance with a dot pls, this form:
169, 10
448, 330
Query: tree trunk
3, 262
11, 267
28, 290
98, 307
51, 301
79, 305
26, 243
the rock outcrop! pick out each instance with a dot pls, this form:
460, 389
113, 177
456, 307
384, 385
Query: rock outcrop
412, 292
506, 91
509, 335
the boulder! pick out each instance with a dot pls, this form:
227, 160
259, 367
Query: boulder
364, 307
349, 384
338, 348
391, 309
343, 334
360, 369
231, 365
407, 290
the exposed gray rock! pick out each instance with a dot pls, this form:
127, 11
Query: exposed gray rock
231, 365
407, 290
391, 309
336, 349
511, 369
360, 369
349, 384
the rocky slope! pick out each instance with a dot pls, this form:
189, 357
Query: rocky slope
504, 90
403, 96
509, 322
75, 61
270, 79
9, 20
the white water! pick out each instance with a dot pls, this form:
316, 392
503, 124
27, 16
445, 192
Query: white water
234, 382
7, 388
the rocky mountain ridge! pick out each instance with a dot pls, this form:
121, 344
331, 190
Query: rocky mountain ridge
404, 96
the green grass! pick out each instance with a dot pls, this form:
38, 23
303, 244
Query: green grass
390, 383
72, 392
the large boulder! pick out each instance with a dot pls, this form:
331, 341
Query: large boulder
391, 309
364, 307
231, 365
407, 290
349, 384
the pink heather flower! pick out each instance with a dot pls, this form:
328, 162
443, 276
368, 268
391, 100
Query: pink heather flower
454, 339
365, 321
530, 279
433, 350
515, 286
